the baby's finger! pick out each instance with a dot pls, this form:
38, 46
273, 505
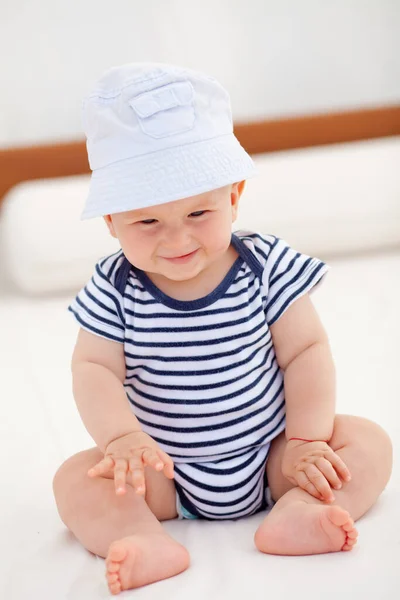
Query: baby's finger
151, 458
168, 464
329, 472
339, 465
319, 481
306, 485
120, 469
105, 465
137, 469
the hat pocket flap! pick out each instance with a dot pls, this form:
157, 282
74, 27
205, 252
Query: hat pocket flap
163, 98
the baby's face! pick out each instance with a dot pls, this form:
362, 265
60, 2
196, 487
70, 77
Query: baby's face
158, 239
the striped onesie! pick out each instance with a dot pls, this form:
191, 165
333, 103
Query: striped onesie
201, 375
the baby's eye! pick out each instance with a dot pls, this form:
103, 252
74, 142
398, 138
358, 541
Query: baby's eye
148, 221
198, 213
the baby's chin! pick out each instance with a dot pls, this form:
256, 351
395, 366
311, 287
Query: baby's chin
179, 275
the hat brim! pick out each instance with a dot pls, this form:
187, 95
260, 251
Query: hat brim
167, 175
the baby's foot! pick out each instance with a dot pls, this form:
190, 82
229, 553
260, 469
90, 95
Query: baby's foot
301, 528
144, 558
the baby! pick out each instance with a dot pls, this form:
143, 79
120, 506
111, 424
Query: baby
201, 369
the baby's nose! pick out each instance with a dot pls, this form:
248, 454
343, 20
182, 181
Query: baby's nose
177, 238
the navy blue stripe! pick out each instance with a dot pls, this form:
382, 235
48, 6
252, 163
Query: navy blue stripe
287, 270
103, 262
243, 290
246, 275
245, 511
168, 329
247, 256
96, 300
114, 265
95, 315
137, 286
226, 295
227, 471
211, 427
237, 513
218, 489
174, 415
191, 401
295, 279
176, 359
198, 343
94, 329
196, 373
279, 259
122, 276
230, 453
236, 455
223, 441
108, 294
298, 292
261, 253
189, 315
207, 386
263, 239
186, 503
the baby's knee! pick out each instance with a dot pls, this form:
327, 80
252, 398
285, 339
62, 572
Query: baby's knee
69, 476
355, 429
376, 437
381, 442
377, 445
70, 468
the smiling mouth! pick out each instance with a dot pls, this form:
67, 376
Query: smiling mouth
183, 256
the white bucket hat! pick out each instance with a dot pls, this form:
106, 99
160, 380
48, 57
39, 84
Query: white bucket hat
157, 133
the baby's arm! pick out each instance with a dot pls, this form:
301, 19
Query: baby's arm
303, 353
98, 371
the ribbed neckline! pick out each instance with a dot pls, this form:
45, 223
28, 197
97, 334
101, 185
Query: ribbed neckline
212, 297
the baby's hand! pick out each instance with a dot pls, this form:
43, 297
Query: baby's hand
131, 453
314, 467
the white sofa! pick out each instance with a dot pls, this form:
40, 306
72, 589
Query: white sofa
341, 203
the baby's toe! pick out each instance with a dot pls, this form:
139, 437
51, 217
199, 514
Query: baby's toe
115, 588
349, 525
117, 552
352, 535
113, 567
112, 577
351, 541
347, 547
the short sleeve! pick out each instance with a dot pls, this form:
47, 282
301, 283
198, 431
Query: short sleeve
98, 307
287, 276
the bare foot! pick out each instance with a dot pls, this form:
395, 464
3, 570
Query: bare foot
144, 558
301, 528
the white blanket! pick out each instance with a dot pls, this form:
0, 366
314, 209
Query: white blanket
40, 428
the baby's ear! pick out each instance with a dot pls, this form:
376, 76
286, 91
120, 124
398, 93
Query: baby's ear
110, 225
236, 192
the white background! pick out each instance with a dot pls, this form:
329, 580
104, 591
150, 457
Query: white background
276, 57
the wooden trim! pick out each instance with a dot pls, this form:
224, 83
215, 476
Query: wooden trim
319, 130
60, 160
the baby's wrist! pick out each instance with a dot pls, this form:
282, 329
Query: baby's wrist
121, 435
299, 440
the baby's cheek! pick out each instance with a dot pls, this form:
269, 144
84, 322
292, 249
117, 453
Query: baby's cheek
219, 242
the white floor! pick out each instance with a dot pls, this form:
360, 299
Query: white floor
40, 427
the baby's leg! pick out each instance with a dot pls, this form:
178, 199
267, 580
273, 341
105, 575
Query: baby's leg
123, 528
301, 524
